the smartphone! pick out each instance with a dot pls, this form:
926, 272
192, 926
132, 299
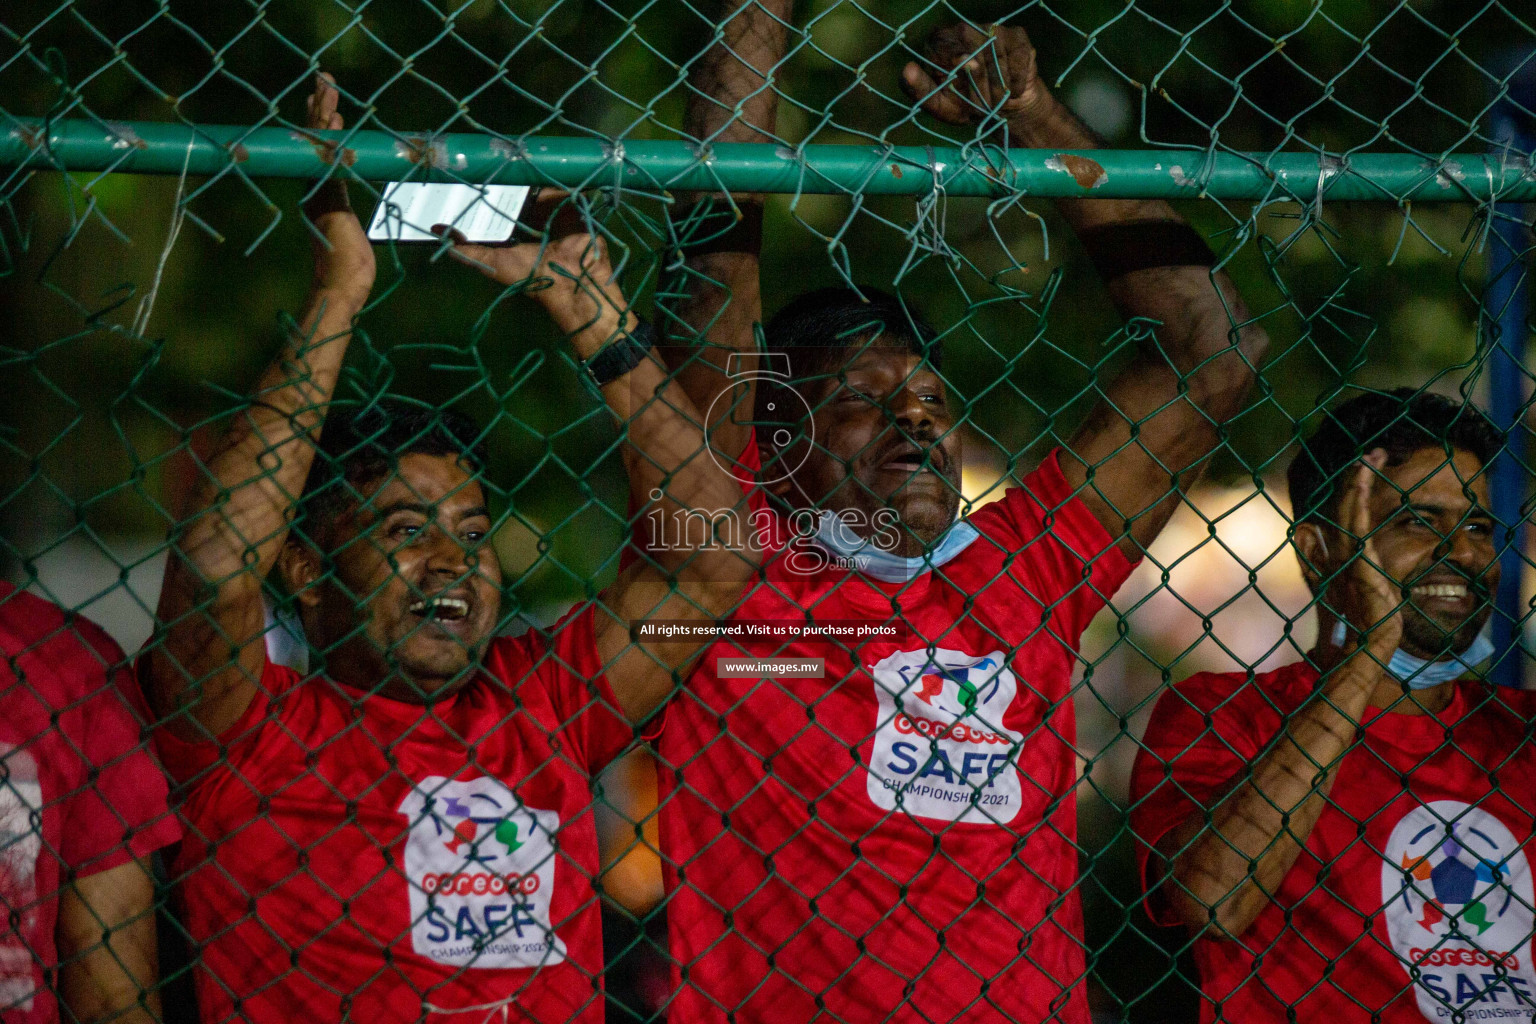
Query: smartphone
481, 213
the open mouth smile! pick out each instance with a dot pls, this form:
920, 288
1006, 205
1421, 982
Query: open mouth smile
1454, 599
441, 609
1453, 591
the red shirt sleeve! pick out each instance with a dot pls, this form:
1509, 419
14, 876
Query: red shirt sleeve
586, 710
123, 815
1062, 555
186, 760
1203, 734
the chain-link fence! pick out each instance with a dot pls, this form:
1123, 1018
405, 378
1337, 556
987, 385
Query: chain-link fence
871, 543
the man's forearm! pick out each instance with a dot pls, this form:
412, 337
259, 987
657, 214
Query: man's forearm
1165, 294
1197, 375
302, 378
732, 98
261, 467
698, 558
695, 521
247, 496
732, 95
670, 467
1226, 871
105, 936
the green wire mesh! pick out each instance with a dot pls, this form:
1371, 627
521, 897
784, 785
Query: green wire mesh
1343, 157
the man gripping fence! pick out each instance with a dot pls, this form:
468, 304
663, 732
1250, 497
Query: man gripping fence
891, 838
409, 830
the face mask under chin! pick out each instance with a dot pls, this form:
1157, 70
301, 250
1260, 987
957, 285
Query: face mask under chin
1422, 673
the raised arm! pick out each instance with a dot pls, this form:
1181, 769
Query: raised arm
1225, 865
1157, 422
109, 965
208, 656
696, 570
732, 98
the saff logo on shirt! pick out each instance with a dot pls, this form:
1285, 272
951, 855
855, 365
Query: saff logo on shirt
941, 750
1456, 887
480, 871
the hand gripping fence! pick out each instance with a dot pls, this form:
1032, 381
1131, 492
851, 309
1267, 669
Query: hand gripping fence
1054, 547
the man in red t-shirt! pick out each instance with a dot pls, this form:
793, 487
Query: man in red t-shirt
1349, 837
82, 807
407, 832
888, 835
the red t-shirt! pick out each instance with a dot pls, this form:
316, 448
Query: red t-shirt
76, 797
860, 847
351, 855
1422, 856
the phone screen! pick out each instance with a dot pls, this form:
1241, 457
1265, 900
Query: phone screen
481, 213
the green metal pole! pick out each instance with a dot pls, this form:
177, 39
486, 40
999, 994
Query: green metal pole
145, 147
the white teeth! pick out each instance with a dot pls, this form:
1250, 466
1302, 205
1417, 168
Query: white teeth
1440, 590
451, 607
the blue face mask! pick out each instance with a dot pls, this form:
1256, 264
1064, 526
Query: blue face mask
838, 538
1420, 674
286, 645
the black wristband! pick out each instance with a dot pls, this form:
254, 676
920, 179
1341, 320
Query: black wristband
614, 360
1119, 249
745, 235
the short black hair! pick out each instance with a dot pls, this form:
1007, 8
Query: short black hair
1402, 422
812, 329
361, 445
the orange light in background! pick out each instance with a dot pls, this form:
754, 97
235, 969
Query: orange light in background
982, 476
1233, 584
631, 864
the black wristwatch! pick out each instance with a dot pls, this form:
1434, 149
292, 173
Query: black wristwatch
613, 361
